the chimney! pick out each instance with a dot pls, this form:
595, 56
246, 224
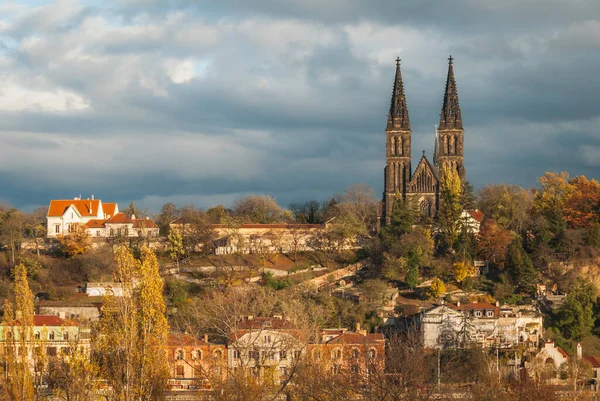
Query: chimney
206, 338
497, 304
458, 303
357, 327
250, 317
132, 216
92, 196
579, 351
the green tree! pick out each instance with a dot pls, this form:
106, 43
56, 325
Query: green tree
168, 213
591, 235
520, 268
575, 317
412, 275
132, 211
12, 224
401, 220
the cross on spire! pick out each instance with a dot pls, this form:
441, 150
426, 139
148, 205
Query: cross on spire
423, 152
398, 116
450, 117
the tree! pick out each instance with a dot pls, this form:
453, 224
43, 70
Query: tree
493, 242
132, 211
344, 229
76, 242
73, 376
401, 220
575, 317
467, 196
412, 275
309, 212
448, 216
11, 231
520, 268
176, 243
394, 268
358, 200
591, 235
168, 213
462, 270
509, 205
134, 330
35, 227
437, 289
582, 206
259, 209
17, 380
217, 213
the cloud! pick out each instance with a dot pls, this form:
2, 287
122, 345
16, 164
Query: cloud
203, 102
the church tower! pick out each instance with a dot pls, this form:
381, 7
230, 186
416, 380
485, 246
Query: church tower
397, 156
450, 134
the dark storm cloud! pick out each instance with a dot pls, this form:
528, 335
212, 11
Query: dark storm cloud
203, 102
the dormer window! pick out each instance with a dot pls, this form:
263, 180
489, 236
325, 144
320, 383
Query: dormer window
490, 313
478, 313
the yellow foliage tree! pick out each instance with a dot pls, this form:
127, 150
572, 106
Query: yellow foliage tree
17, 380
134, 330
76, 242
463, 270
437, 288
448, 216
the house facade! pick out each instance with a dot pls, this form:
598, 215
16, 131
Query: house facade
65, 216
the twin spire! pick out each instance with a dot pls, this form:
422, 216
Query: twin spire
398, 116
450, 117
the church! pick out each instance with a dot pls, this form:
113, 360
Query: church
421, 187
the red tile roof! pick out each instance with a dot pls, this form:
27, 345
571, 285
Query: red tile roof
95, 223
109, 209
85, 208
180, 340
144, 223
119, 218
595, 362
357, 338
562, 352
48, 320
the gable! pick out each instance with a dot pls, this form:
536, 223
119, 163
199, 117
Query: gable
425, 178
85, 208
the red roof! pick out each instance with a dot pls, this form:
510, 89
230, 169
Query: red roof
144, 223
95, 223
48, 320
119, 218
562, 352
85, 208
357, 338
595, 362
477, 215
109, 209
180, 340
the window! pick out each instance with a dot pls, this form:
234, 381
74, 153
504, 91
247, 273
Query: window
263, 355
126, 232
355, 353
297, 354
112, 232
197, 354
218, 354
57, 228
97, 233
282, 354
336, 369
283, 371
51, 335
267, 339
478, 313
180, 371
66, 336
51, 351
354, 369
179, 354
65, 350
337, 354
70, 228
372, 353
118, 232
236, 354
490, 313
37, 335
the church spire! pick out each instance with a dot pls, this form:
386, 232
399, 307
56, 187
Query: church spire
398, 116
450, 117
436, 147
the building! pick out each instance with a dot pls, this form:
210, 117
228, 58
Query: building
196, 364
471, 220
100, 289
480, 324
65, 216
341, 350
266, 347
53, 334
120, 225
73, 310
422, 187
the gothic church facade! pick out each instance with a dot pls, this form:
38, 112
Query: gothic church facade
421, 187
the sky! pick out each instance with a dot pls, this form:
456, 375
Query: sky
204, 102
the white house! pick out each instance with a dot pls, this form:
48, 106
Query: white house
471, 220
65, 215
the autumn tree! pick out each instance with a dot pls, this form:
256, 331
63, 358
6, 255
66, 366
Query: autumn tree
168, 213
16, 378
437, 288
260, 209
73, 376
582, 207
493, 242
549, 223
176, 243
309, 212
450, 209
76, 242
35, 227
12, 224
508, 205
358, 200
462, 270
134, 330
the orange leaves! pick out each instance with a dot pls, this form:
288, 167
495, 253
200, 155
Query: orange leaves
582, 207
493, 242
